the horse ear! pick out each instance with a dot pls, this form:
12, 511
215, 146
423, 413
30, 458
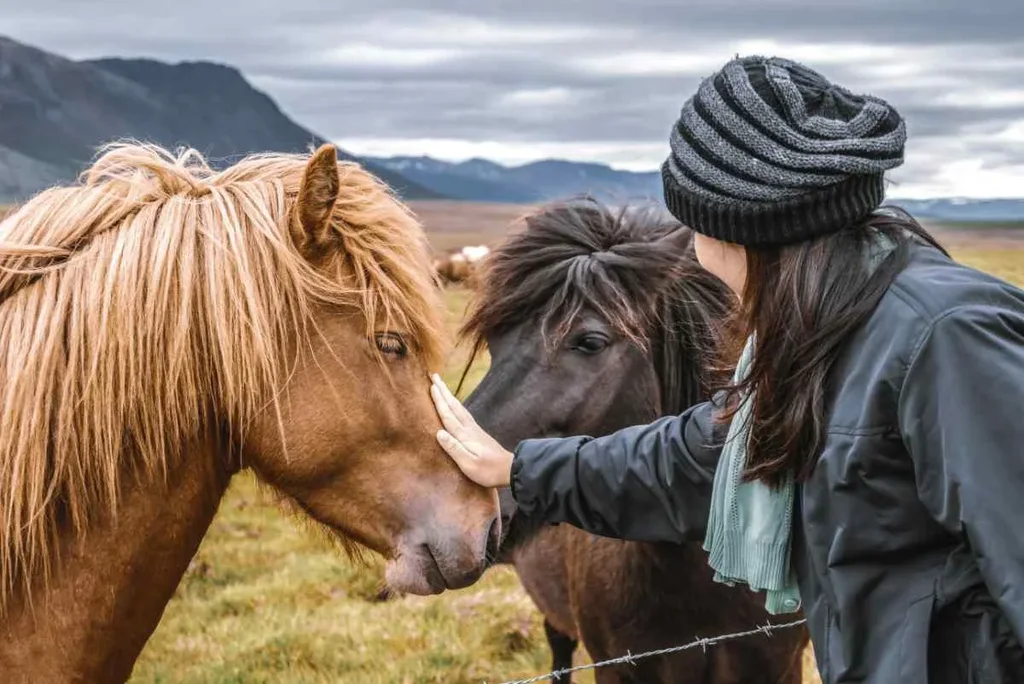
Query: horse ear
311, 227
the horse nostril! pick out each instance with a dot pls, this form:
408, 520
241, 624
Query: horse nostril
493, 540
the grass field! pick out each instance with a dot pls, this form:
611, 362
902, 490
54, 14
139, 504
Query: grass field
266, 601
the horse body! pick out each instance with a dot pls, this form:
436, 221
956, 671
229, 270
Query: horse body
165, 326
595, 322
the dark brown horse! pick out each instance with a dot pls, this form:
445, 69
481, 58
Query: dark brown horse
596, 321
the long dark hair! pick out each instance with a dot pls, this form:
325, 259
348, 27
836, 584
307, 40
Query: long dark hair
802, 302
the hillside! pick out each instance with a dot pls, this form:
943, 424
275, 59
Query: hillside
961, 210
482, 180
54, 112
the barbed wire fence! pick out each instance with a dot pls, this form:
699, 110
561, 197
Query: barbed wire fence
630, 659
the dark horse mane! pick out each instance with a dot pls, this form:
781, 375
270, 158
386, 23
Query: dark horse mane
632, 266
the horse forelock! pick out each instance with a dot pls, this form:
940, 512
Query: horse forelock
154, 294
633, 267
575, 256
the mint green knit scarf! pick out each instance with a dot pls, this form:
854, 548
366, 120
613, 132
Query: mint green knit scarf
750, 525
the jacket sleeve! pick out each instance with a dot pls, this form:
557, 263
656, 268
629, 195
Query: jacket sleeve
961, 414
644, 483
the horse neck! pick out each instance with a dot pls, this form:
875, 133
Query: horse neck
111, 588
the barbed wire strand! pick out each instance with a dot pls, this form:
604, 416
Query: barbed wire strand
630, 659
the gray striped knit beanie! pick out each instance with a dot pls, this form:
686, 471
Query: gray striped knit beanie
769, 152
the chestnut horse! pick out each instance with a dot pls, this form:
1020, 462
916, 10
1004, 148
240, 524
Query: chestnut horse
596, 321
163, 326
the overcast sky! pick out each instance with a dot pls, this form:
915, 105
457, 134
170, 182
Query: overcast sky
599, 80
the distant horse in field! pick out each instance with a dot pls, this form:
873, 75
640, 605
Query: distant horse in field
163, 326
458, 266
596, 321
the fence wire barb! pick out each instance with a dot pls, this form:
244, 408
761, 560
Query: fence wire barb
630, 658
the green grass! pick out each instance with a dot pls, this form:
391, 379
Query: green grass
266, 601
1005, 263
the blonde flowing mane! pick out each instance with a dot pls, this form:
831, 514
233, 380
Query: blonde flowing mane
157, 294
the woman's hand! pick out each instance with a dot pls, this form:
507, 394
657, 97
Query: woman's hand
477, 454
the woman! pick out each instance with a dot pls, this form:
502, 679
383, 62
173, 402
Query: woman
872, 461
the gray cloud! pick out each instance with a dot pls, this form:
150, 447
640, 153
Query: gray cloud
602, 74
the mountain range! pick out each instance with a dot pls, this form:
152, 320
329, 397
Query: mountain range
55, 112
484, 180
964, 210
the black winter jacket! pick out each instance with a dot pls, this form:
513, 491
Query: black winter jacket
909, 536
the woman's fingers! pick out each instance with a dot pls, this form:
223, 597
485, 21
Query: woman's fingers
458, 410
475, 452
444, 407
444, 411
463, 457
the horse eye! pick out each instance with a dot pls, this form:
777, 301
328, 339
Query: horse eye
392, 344
590, 343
